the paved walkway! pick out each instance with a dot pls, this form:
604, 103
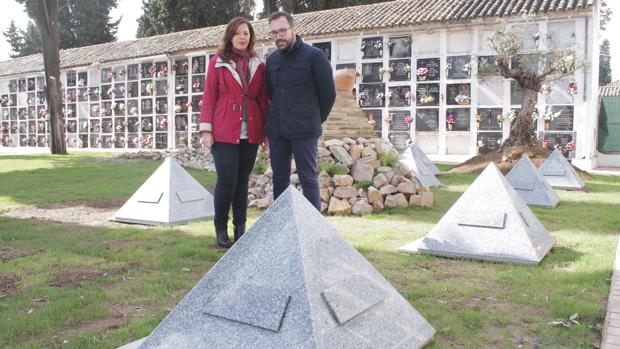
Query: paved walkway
611, 331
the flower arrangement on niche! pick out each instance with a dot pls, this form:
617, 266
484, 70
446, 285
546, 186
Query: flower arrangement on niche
572, 88
380, 96
384, 70
421, 73
371, 121
500, 118
545, 89
389, 119
450, 121
408, 120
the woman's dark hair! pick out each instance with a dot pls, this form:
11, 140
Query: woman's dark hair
225, 48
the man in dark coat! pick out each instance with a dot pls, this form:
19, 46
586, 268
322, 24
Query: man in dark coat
301, 88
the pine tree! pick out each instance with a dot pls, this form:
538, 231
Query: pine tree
15, 37
168, 16
604, 74
77, 19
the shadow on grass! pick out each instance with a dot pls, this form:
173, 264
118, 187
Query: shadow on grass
79, 180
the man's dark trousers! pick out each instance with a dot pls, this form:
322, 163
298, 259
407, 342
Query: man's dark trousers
304, 150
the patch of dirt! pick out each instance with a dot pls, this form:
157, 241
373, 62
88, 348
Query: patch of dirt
82, 215
7, 253
77, 277
8, 284
507, 158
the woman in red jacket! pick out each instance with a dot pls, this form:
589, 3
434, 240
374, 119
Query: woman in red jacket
232, 120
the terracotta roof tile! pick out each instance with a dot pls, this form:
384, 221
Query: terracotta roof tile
610, 90
399, 13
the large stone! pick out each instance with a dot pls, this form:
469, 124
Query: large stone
337, 206
325, 180
362, 171
294, 179
334, 142
343, 180
378, 206
379, 180
396, 179
356, 152
404, 169
374, 195
169, 196
489, 222
362, 207
406, 187
422, 199
388, 189
304, 287
531, 185
262, 180
342, 155
369, 152
559, 173
345, 192
397, 200
322, 152
325, 194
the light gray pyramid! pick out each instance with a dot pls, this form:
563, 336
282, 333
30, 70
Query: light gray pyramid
416, 163
170, 196
418, 153
292, 282
559, 173
531, 185
488, 222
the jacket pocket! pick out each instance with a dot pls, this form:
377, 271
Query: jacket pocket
300, 72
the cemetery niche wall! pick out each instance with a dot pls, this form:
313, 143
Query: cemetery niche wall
428, 72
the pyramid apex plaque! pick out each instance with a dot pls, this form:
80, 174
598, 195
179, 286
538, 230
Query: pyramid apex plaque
559, 173
169, 196
488, 222
292, 282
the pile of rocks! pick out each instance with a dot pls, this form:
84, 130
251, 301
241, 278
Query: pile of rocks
364, 187
196, 158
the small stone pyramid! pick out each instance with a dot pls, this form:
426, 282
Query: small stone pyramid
488, 222
418, 153
170, 196
531, 185
559, 173
416, 163
292, 282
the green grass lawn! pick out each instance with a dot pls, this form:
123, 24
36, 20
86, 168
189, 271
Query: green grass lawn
65, 285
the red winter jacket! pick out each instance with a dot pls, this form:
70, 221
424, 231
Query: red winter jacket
221, 112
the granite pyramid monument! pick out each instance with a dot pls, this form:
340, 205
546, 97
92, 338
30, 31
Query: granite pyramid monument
292, 282
559, 173
415, 160
531, 185
488, 222
170, 196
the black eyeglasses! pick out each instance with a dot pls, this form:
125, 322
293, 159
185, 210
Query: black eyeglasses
281, 32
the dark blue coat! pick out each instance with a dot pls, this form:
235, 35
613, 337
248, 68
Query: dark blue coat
300, 86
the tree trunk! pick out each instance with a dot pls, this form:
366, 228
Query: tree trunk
522, 133
47, 18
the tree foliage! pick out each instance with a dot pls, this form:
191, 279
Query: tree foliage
605, 14
302, 6
81, 23
168, 16
530, 69
604, 75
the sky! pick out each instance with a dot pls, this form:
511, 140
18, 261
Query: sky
132, 9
